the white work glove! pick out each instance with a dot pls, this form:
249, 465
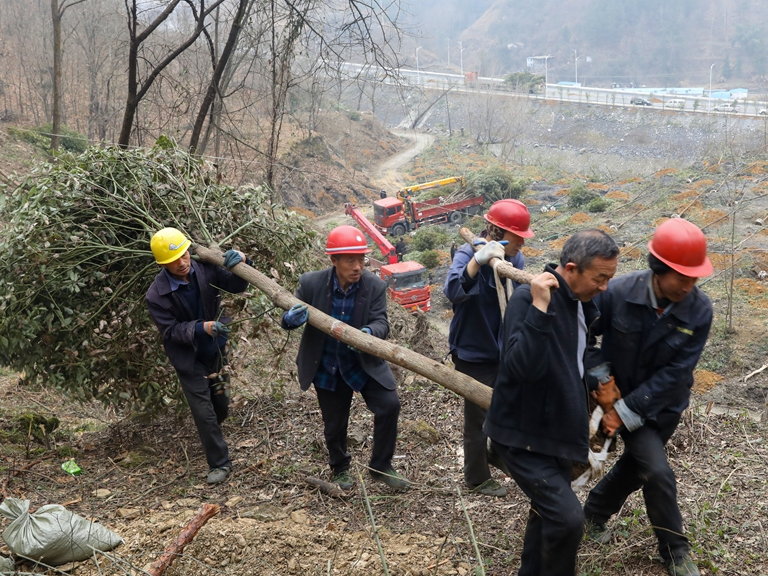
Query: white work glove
492, 249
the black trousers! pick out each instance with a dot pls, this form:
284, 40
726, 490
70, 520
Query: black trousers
209, 410
644, 465
334, 406
476, 469
555, 520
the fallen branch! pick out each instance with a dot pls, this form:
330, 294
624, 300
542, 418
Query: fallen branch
748, 376
325, 487
462, 384
186, 536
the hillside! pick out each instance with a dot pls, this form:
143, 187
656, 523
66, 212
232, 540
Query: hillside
654, 42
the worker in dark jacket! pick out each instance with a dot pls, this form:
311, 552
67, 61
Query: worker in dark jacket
654, 325
475, 334
538, 421
185, 303
357, 297
400, 249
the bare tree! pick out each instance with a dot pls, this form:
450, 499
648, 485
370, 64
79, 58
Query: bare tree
138, 89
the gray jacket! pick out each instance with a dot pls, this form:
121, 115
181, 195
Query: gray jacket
315, 288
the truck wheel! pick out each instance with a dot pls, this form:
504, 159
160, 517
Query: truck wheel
397, 230
455, 217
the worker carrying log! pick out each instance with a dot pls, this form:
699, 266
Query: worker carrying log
538, 421
357, 297
185, 303
475, 333
654, 325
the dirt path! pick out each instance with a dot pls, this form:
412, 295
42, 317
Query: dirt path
387, 176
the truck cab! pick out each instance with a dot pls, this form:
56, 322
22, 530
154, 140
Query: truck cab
408, 285
386, 212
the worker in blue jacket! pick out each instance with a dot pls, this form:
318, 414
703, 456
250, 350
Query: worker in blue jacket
654, 326
475, 333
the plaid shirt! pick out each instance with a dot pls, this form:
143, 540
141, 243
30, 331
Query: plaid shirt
338, 360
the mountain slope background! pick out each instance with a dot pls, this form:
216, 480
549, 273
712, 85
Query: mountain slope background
651, 42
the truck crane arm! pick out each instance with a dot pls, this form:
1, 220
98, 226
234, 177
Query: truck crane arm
386, 247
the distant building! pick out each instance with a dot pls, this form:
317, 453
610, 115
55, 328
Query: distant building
537, 64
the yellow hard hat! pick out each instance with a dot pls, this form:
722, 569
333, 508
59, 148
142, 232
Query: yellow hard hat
168, 245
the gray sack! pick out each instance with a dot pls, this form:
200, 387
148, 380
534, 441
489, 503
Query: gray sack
53, 535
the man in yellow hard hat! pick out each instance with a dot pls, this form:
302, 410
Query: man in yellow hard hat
185, 303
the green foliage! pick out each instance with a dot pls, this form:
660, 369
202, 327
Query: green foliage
70, 140
579, 195
524, 81
354, 115
429, 238
495, 183
429, 258
77, 264
598, 205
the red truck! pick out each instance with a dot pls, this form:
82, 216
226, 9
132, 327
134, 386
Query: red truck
407, 282
401, 214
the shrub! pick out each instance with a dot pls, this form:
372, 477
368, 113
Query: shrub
429, 238
598, 205
580, 195
77, 265
429, 258
495, 183
70, 140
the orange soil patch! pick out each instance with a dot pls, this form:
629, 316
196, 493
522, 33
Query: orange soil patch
684, 195
721, 261
303, 211
551, 214
579, 218
712, 216
531, 201
659, 221
630, 181
665, 172
704, 380
531, 252
559, 243
597, 186
606, 229
759, 304
703, 183
714, 169
616, 195
631, 252
750, 287
756, 169
562, 192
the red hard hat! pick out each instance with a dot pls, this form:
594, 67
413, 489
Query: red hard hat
682, 246
512, 216
346, 240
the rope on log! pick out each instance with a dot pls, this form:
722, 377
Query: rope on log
453, 380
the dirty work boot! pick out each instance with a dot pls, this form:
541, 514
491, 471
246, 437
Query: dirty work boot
495, 460
391, 478
218, 474
599, 533
489, 488
683, 566
343, 480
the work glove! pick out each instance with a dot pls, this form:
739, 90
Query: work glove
363, 329
490, 250
232, 258
607, 394
214, 329
297, 315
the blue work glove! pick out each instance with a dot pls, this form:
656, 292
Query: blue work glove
489, 250
296, 316
232, 258
363, 329
214, 329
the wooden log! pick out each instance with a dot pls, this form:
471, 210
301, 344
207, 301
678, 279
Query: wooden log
505, 269
453, 380
186, 536
325, 487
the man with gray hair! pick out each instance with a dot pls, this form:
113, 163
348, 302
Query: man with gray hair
538, 421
